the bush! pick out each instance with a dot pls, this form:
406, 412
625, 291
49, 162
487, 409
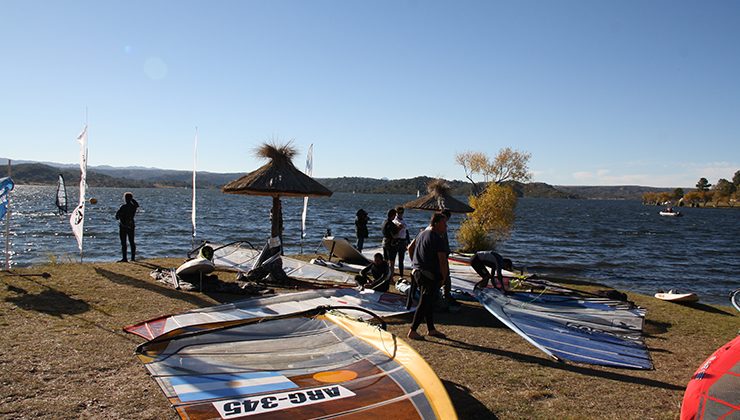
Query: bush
491, 221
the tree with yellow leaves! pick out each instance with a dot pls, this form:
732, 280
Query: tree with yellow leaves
494, 205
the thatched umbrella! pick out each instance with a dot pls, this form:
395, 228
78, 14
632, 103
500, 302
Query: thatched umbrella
439, 198
277, 178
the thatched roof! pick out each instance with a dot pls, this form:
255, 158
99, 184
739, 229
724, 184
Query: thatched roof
439, 198
278, 177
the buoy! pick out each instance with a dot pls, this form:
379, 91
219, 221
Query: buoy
93, 200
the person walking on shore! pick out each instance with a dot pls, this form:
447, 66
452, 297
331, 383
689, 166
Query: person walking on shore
125, 216
361, 220
430, 269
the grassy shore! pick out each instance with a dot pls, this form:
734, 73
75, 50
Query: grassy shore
63, 353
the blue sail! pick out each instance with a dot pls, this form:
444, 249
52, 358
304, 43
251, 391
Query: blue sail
6, 185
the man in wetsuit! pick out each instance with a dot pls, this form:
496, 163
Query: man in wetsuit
376, 275
430, 271
125, 216
495, 262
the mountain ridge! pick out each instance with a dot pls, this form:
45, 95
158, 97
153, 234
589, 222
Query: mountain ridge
37, 173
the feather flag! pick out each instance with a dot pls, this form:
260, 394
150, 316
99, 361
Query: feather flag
6, 186
309, 170
77, 219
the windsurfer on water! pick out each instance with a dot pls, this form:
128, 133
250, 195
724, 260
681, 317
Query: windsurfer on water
125, 216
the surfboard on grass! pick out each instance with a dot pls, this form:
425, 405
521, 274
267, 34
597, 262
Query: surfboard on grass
677, 297
312, 364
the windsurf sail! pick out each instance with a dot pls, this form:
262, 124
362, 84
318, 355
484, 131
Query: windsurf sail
714, 390
382, 304
61, 198
77, 219
240, 256
594, 330
310, 364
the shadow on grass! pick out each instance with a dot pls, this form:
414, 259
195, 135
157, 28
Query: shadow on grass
466, 405
141, 284
652, 327
50, 301
525, 358
707, 308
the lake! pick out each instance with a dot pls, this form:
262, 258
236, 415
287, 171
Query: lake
616, 242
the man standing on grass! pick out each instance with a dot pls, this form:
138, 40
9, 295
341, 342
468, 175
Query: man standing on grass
430, 269
125, 216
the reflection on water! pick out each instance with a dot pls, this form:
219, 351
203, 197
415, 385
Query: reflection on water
619, 243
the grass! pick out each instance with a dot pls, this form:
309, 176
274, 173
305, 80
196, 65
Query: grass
63, 353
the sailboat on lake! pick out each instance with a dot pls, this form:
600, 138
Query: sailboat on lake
61, 196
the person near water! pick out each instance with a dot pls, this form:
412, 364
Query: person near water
376, 275
496, 263
125, 216
401, 238
430, 269
361, 220
389, 230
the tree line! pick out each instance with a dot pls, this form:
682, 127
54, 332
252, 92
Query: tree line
723, 191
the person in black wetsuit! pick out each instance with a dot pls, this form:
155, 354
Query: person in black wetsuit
361, 228
496, 263
125, 216
376, 275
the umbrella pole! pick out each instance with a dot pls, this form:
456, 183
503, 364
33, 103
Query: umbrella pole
277, 217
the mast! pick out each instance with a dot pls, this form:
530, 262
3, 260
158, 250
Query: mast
7, 225
195, 161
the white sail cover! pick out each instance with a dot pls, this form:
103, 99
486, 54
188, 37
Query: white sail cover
77, 219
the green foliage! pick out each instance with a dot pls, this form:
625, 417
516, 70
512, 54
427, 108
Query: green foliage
703, 185
678, 193
491, 221
736, 179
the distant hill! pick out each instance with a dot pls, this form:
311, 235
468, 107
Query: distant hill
139, 177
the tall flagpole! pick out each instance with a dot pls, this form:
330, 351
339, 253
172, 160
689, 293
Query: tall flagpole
195, 162
7, 225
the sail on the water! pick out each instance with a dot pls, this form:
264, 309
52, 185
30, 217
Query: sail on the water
61, 199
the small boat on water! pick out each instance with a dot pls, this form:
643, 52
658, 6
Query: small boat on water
676, 296
668, 211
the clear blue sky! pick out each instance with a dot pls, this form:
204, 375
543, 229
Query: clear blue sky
599, 92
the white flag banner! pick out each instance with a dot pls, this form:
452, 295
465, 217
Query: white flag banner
309, 171
77, 219
195, 155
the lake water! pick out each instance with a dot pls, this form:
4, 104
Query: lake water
620, 243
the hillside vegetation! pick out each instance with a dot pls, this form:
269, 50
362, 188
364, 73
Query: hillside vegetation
105, 176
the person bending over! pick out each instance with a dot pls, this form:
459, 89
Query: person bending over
376, 276
495, 262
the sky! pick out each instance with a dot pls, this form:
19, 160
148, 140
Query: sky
599, 92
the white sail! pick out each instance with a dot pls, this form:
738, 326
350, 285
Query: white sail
77, 219
309, 170
61, 198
